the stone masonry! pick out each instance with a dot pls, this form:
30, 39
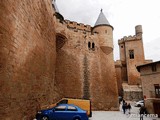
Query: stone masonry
27, 58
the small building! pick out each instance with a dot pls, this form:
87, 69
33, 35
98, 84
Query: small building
150, 78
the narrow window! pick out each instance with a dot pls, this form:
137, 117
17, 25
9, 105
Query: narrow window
131, 54
89, 44
154, 68
105, 31
122, 46
93, 45
157, 90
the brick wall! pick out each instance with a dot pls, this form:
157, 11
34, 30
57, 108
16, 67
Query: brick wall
27, 57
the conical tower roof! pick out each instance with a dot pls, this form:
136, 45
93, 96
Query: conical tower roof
57, 13
55, 6
102, 20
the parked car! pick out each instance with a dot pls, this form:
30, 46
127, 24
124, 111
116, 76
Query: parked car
83, 104
139, 103
62, 112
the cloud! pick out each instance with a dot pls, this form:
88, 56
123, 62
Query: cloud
152, 49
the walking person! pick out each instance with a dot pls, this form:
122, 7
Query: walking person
129, 108
142, 111
124, 106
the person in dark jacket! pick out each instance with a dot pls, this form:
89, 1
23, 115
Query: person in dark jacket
124, 107
129, 108
142, 111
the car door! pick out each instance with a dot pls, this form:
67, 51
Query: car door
71, 112
58, 112
66, 113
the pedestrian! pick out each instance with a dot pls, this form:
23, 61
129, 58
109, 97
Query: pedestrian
123, 101
129, 108
124, 106
142, 111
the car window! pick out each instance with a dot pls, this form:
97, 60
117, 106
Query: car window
60, 108
71, 108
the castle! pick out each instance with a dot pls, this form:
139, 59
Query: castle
84, 64
44, 58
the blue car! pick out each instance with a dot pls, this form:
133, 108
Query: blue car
62, 112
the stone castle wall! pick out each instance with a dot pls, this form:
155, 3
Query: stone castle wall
81, 65
43, 60
134, 43
118, 67
27, 58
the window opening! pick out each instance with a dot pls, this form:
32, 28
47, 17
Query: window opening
93, 45
89, 44
131, 54
157, 90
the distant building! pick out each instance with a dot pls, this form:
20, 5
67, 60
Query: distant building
131, 55
150, 77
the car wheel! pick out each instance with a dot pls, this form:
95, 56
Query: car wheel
44, 118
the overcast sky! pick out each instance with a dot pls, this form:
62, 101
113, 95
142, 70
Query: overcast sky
123, 15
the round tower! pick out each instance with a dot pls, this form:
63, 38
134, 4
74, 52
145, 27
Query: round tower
107, 85
105, 33
138, 30
57, 13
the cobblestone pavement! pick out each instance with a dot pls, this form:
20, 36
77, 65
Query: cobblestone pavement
118, 115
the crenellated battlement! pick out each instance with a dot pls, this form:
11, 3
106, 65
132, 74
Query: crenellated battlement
77, 26
137, 36
129, 38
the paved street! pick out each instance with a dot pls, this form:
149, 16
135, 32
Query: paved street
118, 115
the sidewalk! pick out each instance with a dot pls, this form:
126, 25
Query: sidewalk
118, 115
111, 115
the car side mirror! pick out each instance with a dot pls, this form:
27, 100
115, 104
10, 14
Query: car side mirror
53, 110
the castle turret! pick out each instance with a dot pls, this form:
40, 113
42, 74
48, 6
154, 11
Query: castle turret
106, 66
138, 30
105, 33
57, 13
